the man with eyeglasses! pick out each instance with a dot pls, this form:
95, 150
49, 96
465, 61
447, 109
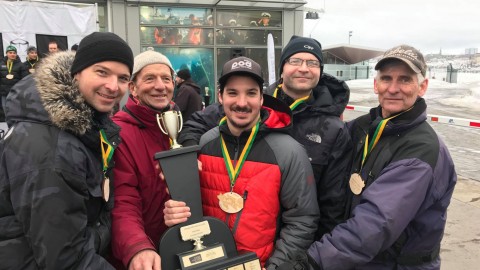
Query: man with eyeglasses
316, 100
140, 194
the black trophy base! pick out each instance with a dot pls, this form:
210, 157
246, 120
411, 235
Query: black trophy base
220, 252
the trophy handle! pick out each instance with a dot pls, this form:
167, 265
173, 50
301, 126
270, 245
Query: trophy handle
159, 120
181, 120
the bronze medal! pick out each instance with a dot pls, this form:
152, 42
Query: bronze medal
230, 202
356, 183
32, 70
9, 76
106, 188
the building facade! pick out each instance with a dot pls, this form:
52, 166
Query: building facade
203, 35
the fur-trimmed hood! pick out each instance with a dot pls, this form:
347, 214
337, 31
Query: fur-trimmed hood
51, 96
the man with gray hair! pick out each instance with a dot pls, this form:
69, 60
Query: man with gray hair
140, 194
402, 178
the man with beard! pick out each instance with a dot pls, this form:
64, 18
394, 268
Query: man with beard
249, 159
316, 100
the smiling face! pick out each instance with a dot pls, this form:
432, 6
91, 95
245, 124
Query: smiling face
242, 100
298, 81
103, 84
397, 87
153, 86
32, 55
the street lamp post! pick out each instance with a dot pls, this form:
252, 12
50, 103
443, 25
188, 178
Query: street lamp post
349, 36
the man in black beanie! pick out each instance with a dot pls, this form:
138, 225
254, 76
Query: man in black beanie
317, 101
56, 160
188, 94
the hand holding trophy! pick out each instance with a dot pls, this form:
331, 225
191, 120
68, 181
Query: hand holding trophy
201, 243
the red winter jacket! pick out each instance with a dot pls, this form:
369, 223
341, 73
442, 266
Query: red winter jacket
140, 194
280, 211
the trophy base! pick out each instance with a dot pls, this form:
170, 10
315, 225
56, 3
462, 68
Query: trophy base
244, 261
220, 252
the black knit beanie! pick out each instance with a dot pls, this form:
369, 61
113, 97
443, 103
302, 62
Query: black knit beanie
184, 74
301, 44
99, 47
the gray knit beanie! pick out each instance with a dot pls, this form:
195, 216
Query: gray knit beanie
148, 58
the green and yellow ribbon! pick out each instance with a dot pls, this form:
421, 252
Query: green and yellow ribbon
107, 150
233, 172
295, 103
9, 66
368, 147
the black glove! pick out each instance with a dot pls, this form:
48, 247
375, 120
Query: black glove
299, 260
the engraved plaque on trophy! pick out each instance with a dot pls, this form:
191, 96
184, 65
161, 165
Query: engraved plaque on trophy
201, 243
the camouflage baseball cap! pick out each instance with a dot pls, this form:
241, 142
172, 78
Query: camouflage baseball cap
409, 55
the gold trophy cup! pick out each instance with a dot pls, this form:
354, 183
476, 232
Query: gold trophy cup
171, 123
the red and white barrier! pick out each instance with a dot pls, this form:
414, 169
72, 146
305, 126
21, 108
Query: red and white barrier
431, 117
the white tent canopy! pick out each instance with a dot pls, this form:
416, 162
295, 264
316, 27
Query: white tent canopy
21, 21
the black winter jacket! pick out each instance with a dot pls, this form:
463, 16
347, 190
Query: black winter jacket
52, 214
18, 71
318, 127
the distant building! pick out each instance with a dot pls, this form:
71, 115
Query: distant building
471, 51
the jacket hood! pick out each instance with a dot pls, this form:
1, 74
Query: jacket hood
51, 95
330, 96
274, 115
279, 115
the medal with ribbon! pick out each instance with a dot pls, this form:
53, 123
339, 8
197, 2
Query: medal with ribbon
107, 154
356, 182
9, 69
231, 202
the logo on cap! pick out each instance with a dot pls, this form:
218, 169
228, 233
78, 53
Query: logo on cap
242, 64
308, 47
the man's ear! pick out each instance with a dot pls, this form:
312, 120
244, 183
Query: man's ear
220, 100
132, 88
375, 86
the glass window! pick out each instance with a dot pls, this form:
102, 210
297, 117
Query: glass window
198, 60
250, 18
175, 16
175, 35
237, 36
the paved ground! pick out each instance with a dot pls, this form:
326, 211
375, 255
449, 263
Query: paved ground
460, 248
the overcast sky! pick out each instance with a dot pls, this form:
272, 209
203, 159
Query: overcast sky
429, 25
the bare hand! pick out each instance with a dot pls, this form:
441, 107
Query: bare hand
175, 212
145, 260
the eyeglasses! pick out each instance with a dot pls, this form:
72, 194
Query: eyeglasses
298, 62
